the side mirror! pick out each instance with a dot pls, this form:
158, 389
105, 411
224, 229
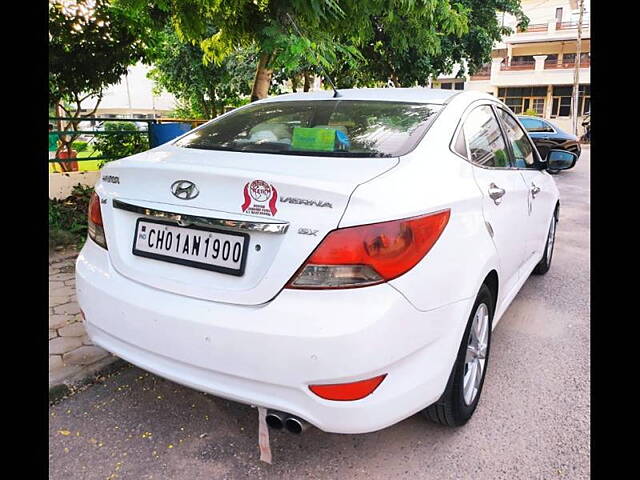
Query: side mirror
561, 160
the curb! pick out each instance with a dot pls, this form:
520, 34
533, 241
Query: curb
59, 391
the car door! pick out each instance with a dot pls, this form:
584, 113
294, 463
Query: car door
541, 193
504, 194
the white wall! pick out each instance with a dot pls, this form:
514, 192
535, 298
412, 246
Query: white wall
134, 93
61, 184
543, 11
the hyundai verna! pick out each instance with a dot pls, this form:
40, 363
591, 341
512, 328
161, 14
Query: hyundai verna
337, 261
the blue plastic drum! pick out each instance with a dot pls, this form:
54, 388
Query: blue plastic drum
160, 133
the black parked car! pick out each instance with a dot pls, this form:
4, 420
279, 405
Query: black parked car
547, 136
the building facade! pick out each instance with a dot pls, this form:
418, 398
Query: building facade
132, 97
533, 69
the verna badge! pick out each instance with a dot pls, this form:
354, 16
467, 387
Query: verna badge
260, 198
184, 190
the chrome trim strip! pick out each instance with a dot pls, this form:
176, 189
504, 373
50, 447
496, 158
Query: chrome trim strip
185, 220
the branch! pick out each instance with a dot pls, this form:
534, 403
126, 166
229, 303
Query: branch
99, 95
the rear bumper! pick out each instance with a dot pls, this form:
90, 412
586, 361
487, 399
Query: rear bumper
268, 355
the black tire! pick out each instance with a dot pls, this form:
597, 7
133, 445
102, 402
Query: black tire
451, 409
544, 264
553, 172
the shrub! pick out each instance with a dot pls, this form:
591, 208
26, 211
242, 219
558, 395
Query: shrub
80, 146
68, 218
122, 144
531, 112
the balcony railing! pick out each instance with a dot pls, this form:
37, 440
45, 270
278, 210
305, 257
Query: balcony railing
570, 25
518, 66
482, 74
537, 27
584, 63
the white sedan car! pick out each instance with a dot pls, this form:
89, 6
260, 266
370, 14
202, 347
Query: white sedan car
340, 261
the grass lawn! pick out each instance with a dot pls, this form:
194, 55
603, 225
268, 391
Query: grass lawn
83, 166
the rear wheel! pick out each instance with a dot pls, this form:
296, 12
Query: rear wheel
462, 393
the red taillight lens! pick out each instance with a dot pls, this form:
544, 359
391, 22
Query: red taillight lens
348, 391
94, 224
370, 254
95, 215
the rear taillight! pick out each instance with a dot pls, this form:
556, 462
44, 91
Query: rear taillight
348, 391
370, 254
95, 227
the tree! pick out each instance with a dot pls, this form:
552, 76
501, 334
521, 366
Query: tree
402, 51
121, 145
203, 89
91, 44
334, 32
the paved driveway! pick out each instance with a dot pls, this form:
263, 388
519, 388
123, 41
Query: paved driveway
532, 421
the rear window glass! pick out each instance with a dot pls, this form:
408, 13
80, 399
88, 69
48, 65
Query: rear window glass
534, 125
322, 127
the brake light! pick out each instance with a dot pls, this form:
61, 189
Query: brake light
94, 223
370, 254
348, 391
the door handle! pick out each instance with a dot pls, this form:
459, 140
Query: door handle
534, 190
496, 193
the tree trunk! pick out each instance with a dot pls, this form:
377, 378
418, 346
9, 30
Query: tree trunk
307, 81
294, 83
394, 79
262, 80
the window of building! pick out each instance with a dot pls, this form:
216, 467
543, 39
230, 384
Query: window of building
558, 15
516, 59
571, 57
561, 106
521, 99
452, 85
483, 134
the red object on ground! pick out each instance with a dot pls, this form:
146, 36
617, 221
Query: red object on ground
67, 166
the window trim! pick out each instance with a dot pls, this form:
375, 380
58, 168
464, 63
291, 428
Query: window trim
537, 159
460, 125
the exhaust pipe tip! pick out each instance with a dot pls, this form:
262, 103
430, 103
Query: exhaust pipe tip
296, 425
275, 419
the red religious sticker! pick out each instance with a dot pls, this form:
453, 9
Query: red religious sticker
260, 198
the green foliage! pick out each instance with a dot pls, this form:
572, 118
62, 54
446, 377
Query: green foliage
90, 49
361, 42
68, 218
410, 44
531, 112
123, 144
80, 146
202, 89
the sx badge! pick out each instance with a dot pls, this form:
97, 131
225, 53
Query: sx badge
260, 198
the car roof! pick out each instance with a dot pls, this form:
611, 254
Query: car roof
414, 94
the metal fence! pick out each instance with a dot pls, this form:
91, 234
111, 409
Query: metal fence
97, 123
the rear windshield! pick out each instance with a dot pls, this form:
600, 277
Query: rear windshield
322, 127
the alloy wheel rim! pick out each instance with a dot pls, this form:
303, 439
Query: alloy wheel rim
476, 355
551, 239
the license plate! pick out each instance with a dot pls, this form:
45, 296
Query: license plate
197, 247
